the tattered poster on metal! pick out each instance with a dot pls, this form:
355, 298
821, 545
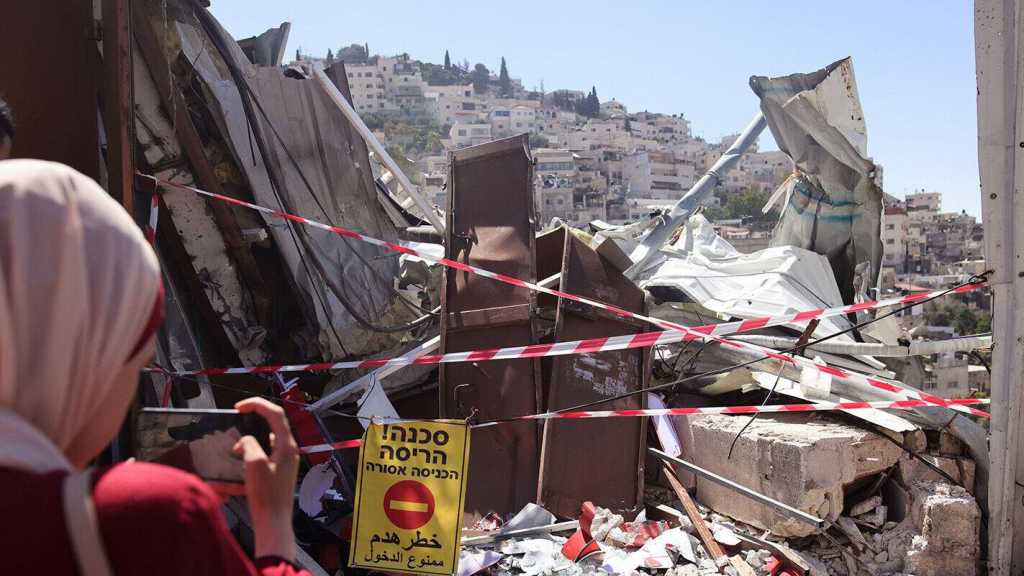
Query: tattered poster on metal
410, 496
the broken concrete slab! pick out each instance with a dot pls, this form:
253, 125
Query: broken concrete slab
948, 521
950, 445
804, 462
913, 470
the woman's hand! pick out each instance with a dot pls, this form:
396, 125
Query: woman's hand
270, 480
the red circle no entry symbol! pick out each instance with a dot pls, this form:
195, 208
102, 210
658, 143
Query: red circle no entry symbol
409, 504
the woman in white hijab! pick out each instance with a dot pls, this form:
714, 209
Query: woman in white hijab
80, 302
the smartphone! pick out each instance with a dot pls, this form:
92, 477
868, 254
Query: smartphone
199, 441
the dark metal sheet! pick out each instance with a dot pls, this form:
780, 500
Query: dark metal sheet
600, 460
50, 80
490, 224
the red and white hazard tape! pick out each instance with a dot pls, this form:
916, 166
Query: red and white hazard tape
154, 216
712, 332
815, 407
709, 330
770, 409
319, 448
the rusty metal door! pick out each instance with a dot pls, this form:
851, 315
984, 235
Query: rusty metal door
600, 460
490, 224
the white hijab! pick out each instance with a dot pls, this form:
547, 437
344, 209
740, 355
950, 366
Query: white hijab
78, 283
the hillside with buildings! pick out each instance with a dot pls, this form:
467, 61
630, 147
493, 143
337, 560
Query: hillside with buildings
594, 160
598, 161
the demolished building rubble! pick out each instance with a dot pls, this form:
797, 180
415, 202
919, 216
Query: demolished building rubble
481, 313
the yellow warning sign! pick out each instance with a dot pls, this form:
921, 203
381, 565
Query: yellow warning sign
409, 497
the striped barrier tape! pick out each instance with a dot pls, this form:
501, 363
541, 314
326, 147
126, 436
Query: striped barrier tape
779, 408
642, 340
709, 332
721, 329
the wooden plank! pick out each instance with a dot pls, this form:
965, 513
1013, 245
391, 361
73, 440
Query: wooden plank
118, 101
191, 144
492, 317
690, 507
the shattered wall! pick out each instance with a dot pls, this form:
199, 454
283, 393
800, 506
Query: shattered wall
280, 142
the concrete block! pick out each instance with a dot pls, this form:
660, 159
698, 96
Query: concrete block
802, 460
948, 522
915, 440
950, 445
911, 470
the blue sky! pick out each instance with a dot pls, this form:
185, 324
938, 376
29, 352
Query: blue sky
914, 60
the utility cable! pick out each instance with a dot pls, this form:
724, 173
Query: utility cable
972, 280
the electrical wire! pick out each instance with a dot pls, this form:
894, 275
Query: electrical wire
972, 280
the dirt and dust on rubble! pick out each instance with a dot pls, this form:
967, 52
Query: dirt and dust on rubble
801, 442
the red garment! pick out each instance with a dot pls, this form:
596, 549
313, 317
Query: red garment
154, 520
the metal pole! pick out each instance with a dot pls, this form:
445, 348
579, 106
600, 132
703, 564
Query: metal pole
709, 475
378, 149
697, 193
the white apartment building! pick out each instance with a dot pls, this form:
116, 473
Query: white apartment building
894, 221
554, 198
671, 128
560, 163
386, 85
457, 109
656, 175
612, 108
766, 169
923, 205
437, 163
433, 188
366, 84
463, 135
511, 120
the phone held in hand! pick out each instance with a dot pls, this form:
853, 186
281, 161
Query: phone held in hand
199, 441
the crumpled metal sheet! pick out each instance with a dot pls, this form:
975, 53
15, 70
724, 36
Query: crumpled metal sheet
335, 161
833, 203
774, 281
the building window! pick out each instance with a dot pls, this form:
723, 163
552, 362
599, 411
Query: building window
890, 226
462, 132
890, 241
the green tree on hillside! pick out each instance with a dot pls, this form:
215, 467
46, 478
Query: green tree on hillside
743, 204
481, 78
589, 106
354, 53
504, 82
447, 61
